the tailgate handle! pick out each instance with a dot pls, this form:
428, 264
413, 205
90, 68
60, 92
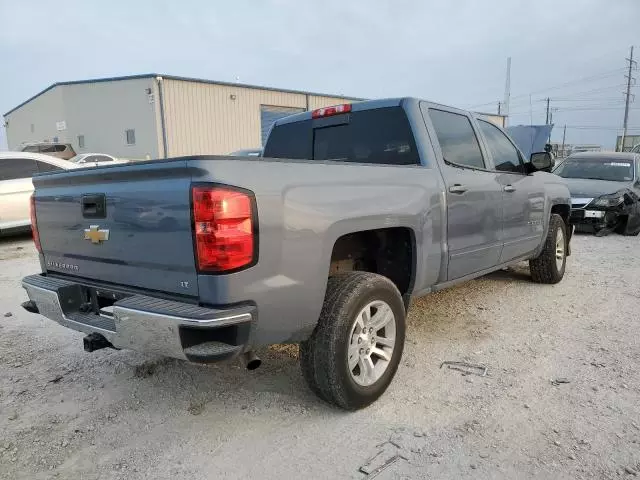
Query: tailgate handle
94, 206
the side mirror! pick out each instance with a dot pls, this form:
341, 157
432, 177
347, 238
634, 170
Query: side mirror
542, 162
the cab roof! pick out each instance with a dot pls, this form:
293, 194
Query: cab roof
371, 105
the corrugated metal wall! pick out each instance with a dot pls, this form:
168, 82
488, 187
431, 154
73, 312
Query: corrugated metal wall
319, 102
203, 118
43, 113
99, 111
102, 112
200, 117
268, 116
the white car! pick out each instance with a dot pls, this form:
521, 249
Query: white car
16, 170
96, 159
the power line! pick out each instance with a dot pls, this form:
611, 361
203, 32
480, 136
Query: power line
597, 127
594, 108
595, 90
596, 99
559, 86
579, 80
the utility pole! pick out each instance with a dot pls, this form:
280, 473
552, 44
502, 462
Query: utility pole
547, 120
628, 97
507, 91
499, 105
564, 133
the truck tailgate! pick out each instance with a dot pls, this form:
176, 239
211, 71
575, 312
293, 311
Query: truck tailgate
126, 225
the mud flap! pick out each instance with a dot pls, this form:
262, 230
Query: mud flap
572, 229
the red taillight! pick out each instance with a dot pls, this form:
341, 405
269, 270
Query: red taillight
223, 228
34, 224
329, 111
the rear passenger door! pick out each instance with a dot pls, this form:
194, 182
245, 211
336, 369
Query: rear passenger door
474, 196
15, 190
523, 196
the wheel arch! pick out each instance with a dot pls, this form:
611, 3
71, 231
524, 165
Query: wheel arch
563, 209
388, 251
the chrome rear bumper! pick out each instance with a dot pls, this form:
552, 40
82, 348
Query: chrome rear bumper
147, 324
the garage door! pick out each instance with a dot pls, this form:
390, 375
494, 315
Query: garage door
269, 114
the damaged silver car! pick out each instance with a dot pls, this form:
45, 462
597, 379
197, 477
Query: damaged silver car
605, 191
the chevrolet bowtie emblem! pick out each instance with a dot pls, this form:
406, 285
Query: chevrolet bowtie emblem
96, 235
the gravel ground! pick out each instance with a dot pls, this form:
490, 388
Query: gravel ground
68, 414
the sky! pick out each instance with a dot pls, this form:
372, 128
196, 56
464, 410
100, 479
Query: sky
451, 52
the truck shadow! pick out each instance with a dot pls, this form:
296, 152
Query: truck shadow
518, 273
276, 386
464, 312
14, 239
14, 246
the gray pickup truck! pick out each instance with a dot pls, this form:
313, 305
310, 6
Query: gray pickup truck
353, 210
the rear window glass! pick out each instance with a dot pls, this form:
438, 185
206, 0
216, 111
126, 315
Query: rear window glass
381, 135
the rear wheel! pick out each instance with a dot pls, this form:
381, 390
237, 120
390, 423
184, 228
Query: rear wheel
550, 265
354, 352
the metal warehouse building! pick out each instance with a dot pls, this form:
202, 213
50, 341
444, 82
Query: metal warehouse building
155, 116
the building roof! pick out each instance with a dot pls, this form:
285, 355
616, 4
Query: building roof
174, 77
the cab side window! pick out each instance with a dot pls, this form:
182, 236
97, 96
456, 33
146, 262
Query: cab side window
457, 139
505, 156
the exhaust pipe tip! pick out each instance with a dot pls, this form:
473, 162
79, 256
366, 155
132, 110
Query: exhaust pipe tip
250, 360
30, 306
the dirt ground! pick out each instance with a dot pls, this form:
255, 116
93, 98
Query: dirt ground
67, 414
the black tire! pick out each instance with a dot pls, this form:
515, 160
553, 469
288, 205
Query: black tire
544, 268
324, 357
627, 229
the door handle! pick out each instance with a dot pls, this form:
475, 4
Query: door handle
94, 206
509, 188
457, 188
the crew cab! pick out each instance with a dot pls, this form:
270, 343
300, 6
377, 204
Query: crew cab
353, 210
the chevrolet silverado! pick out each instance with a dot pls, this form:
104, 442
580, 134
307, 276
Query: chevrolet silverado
351, 211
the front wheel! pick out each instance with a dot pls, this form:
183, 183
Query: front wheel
354, 351
629, 227
549, 266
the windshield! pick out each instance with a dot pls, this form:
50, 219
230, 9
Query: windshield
77, 158
596, 169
